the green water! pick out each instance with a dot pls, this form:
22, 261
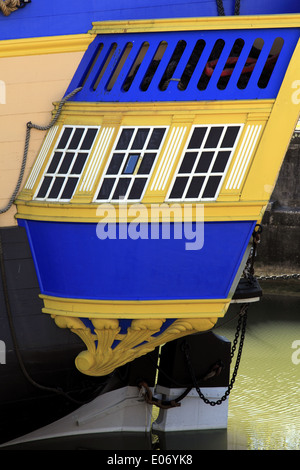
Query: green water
264, 405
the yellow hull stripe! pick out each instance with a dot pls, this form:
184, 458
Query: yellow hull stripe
207, 308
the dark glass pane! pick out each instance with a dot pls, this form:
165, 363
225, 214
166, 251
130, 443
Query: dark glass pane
213, 137
221, 162
250, 64
140, 138
191, 65
106, 188
76, 138
121, 188
131, 164
230, 136
179, 187
147, 162
195, 187
124, 139
54, 162
137, 188
212, 61
270, 64
188, 162
204, 162
156, 138
197, 137
211, 187
69, 188
56, 187
64, 138
45, 186
79, 163
115, 164
88, 139
173, 62
230, 63
66, 163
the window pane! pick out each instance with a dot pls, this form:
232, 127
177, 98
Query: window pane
106, 188
204, 162
69, 188
76, 138
124, 139
56, 187
88, 139
221, 162
54, 163
131, 164
197, 137
188, 162
179, 187
230, 136
79, 163
66, 163
115, 164
121, 188
147, 162
64, 138
213, 137
211, 187
45, 186
140, 139
195, 187
137, 188
156, 138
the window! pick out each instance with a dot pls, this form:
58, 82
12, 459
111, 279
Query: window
131, 163
204, 162
67, 163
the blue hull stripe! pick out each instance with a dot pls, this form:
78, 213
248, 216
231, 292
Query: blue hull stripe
72, 262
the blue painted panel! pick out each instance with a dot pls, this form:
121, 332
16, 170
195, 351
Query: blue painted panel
71, 261
49, 18
179, 88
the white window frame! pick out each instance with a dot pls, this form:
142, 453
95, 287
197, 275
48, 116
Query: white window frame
209, 171
127, 151
66, 175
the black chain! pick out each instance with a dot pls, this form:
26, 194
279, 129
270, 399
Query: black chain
240, 332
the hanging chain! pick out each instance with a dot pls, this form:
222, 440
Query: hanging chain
240, 333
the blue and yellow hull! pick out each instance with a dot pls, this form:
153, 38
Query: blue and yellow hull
209, 178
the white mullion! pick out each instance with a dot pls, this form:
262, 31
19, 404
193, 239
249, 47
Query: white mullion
209, 171
192, 174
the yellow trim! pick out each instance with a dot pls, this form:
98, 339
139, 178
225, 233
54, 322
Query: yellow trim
45, 45
196, 24
203, 308
87, 213
271, 151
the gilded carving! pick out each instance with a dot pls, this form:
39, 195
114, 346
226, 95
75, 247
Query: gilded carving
108, 349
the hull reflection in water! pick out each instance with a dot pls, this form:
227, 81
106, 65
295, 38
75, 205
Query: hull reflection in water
264, 406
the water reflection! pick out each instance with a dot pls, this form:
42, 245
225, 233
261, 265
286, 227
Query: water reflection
264, 407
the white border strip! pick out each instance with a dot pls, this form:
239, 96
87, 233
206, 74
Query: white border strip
244, 155
41, 158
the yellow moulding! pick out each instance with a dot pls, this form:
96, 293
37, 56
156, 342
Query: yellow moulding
162, 212
196, 24
45, 45
274, 143
207, 308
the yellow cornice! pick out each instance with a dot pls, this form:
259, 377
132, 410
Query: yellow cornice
87, 213
196, 24
45, 45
